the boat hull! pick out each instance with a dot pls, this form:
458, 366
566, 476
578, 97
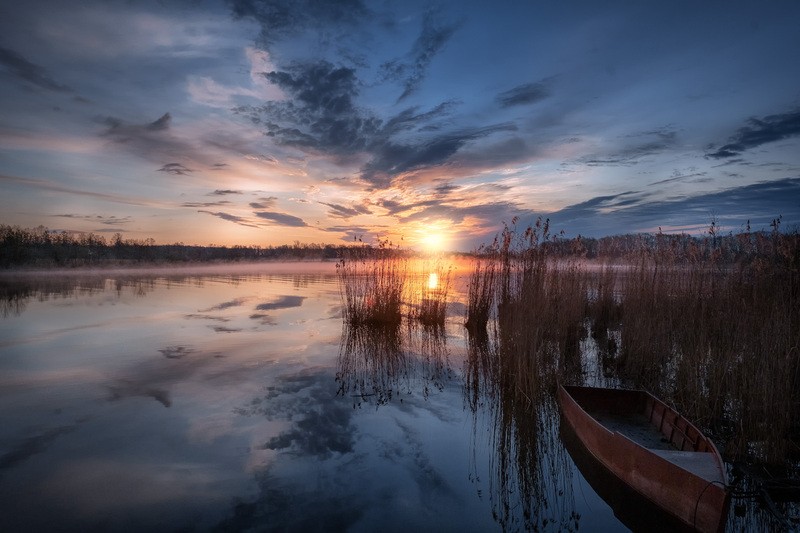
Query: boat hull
699, 502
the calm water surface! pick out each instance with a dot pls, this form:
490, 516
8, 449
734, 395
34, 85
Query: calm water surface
236, 401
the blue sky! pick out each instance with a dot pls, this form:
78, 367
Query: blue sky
246, 122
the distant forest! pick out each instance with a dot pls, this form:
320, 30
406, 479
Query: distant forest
41, 248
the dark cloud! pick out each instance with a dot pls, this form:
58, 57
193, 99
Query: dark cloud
161, 123
264, 203
176, 169
225, 329
281, 302
177, 352
341, 211
322, 116
411, 118
636, 211
112, 220
444, 189
653, 142
231, 218
760, 131
280, 19
411, 72
29, 72
282, 219
125, 388
393, 158
224, 192
152, 140
264, 319
529, 93
206, 204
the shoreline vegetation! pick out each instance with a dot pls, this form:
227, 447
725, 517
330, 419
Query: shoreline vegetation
709, 323
41, 249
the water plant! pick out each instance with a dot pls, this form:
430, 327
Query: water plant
372, 284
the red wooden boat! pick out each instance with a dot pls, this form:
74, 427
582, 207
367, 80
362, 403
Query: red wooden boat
653, 450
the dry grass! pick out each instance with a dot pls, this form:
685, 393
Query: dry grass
719, 340
372, 284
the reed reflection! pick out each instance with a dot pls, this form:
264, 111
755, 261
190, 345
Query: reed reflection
513, 365
531, 484
377, 363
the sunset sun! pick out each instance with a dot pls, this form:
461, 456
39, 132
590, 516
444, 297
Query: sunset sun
433, 241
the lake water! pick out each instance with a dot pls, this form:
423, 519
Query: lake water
236, 400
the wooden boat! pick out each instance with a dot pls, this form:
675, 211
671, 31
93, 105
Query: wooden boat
652, 449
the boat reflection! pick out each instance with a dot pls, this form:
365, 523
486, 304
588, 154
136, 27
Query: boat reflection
629, 507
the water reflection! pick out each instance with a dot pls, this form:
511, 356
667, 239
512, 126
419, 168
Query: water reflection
636, 512
531, 484
19, 289
377, 363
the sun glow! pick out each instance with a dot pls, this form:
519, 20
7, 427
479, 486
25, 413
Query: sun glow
433, 281
433, 239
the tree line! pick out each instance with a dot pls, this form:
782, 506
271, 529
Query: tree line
41, 248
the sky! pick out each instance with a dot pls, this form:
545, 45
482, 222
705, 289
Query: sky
429, 124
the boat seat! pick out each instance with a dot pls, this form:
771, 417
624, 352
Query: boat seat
702, 464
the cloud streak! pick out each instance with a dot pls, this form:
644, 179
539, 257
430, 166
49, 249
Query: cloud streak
29, 72
51, 186
758, 132
281, 219
230, 218
431, 40
529, 93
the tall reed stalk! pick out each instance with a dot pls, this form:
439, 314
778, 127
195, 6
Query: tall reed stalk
372, 284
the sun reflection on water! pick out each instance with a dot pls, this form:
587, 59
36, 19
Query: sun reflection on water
433, 281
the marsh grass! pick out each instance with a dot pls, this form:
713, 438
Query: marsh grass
512, 369
393, 336
481, 290
711, 325
721, 341
372, 283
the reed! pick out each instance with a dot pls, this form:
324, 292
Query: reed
372, 283
481, 289
721, 341
712, 325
